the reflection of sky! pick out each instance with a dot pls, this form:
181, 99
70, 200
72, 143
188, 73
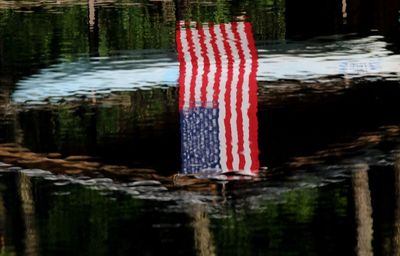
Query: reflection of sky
306, 60
100, 76
354, 58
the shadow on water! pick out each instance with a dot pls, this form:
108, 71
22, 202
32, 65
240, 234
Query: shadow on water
91, 118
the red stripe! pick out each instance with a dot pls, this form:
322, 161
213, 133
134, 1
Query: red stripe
217, 59
182, 66
204, 54
253, 100
239, 101
194, 60
228, 114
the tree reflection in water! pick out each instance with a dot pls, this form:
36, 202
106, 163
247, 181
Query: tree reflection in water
396, 224
203, 237
31, 239
363, 210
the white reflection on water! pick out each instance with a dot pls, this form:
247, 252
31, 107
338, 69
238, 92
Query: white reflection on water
315, 59
352, 58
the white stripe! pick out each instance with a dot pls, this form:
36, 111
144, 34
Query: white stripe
246, 98
213, 68
233, 98
188, 68
221, 103
200, 67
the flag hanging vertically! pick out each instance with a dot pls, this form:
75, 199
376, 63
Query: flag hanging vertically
218, 97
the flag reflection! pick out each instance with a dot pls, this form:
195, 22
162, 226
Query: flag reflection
218, 97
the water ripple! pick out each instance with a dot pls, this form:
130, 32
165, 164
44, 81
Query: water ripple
349, 58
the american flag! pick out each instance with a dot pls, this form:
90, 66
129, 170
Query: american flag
218, 97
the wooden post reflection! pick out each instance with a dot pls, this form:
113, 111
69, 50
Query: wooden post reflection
93, 29
204, 242
168, 11
344, 11
363, 210
92, 14
93, 35
396, 231
28, 214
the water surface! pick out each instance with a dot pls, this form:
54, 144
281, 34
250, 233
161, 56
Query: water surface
91, 144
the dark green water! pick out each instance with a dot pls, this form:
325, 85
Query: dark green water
90, 131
